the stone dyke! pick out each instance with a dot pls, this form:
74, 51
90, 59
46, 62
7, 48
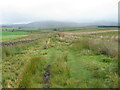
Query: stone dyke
10, 43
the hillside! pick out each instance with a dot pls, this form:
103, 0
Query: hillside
49, 24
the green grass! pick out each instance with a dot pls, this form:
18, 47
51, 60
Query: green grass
11, 37
33, 30
46, 31
60, 29
3, 28
87, 69
13, 50
8, 35
33, 73
13, 33
82, 63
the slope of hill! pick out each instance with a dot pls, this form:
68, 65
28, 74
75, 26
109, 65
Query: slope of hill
49, 24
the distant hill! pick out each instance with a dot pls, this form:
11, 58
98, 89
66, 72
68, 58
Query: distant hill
49, 24
45, 24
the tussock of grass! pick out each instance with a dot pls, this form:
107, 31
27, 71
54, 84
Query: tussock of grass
32, 74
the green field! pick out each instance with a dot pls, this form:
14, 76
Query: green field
8, 35
13, 33
12, 37
81, 61
4, 28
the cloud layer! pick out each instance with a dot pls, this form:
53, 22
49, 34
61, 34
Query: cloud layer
23, 11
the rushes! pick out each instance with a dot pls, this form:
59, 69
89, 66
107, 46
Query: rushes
109, 48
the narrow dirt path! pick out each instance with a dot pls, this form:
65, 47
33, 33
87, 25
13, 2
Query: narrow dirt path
46, 77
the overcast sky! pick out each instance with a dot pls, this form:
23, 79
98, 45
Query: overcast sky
24, 11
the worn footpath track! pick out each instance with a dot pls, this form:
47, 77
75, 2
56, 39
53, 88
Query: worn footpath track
46, 76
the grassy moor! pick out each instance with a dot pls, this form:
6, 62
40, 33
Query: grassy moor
67, 58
